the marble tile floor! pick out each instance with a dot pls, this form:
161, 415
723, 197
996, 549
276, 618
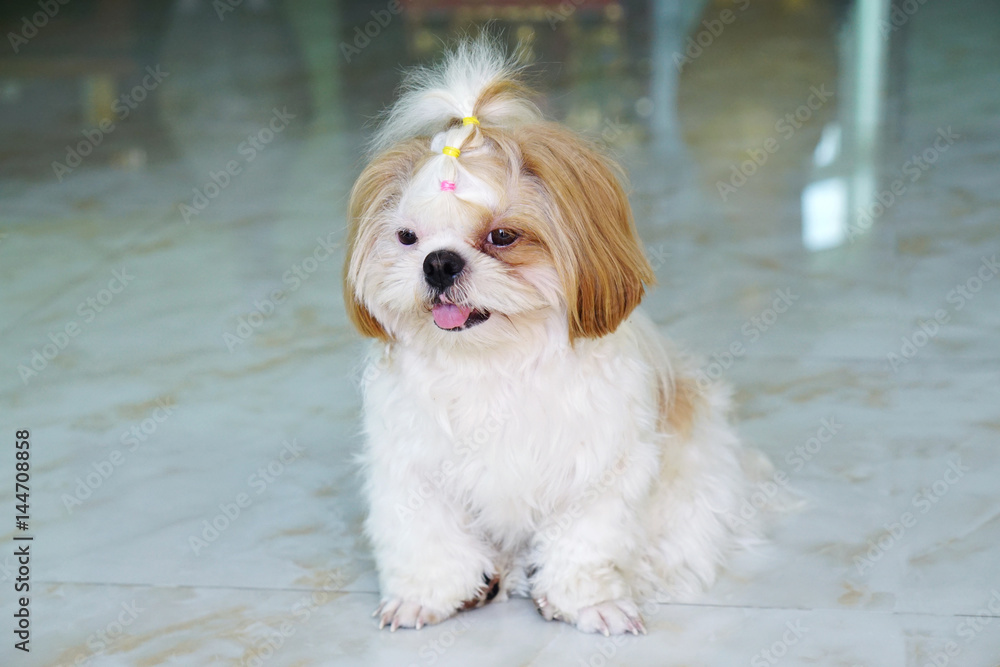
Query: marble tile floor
193, 496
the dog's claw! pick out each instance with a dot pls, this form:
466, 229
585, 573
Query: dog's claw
635, 626
612, 617
603, 625
397, 613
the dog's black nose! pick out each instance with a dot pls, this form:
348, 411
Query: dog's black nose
441, 267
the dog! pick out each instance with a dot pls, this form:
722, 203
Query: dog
528, 432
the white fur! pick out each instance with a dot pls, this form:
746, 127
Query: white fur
505, 448
546, 457
430, 95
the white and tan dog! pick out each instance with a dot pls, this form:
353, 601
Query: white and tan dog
528, 432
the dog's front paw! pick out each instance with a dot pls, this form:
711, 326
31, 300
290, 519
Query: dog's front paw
612, 617
400, 613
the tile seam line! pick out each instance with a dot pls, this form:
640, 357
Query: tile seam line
375, 593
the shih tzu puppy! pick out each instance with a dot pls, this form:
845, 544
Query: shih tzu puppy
527, 430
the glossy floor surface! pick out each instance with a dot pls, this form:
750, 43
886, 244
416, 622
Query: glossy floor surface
173, 338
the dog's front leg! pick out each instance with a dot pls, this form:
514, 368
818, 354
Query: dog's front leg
580, 554
429, 562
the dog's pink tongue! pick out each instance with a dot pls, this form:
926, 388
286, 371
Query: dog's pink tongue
450, 316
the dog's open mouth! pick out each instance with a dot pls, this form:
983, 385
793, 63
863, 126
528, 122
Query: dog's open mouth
452, 317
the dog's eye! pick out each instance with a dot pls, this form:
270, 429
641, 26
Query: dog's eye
406, 236
501, 237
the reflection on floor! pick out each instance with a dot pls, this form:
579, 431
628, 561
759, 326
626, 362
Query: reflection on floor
193, 499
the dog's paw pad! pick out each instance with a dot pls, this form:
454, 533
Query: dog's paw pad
613, 617
398, 613
489, 590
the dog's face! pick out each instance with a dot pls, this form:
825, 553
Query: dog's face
525, 232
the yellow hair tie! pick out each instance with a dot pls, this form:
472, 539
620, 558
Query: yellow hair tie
451, 150
470, 120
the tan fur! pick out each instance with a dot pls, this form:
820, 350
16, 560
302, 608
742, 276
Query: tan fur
586, 229
380, 184
498, 92
593, 240
680, 407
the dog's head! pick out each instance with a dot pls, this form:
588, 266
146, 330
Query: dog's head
479, 223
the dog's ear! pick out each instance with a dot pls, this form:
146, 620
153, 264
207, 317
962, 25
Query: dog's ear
378, 187
593, 239
361, 317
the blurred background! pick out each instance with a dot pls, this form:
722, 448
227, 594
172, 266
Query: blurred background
815, 182
635, 75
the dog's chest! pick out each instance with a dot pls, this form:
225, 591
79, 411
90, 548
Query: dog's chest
521, 443
510, 447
